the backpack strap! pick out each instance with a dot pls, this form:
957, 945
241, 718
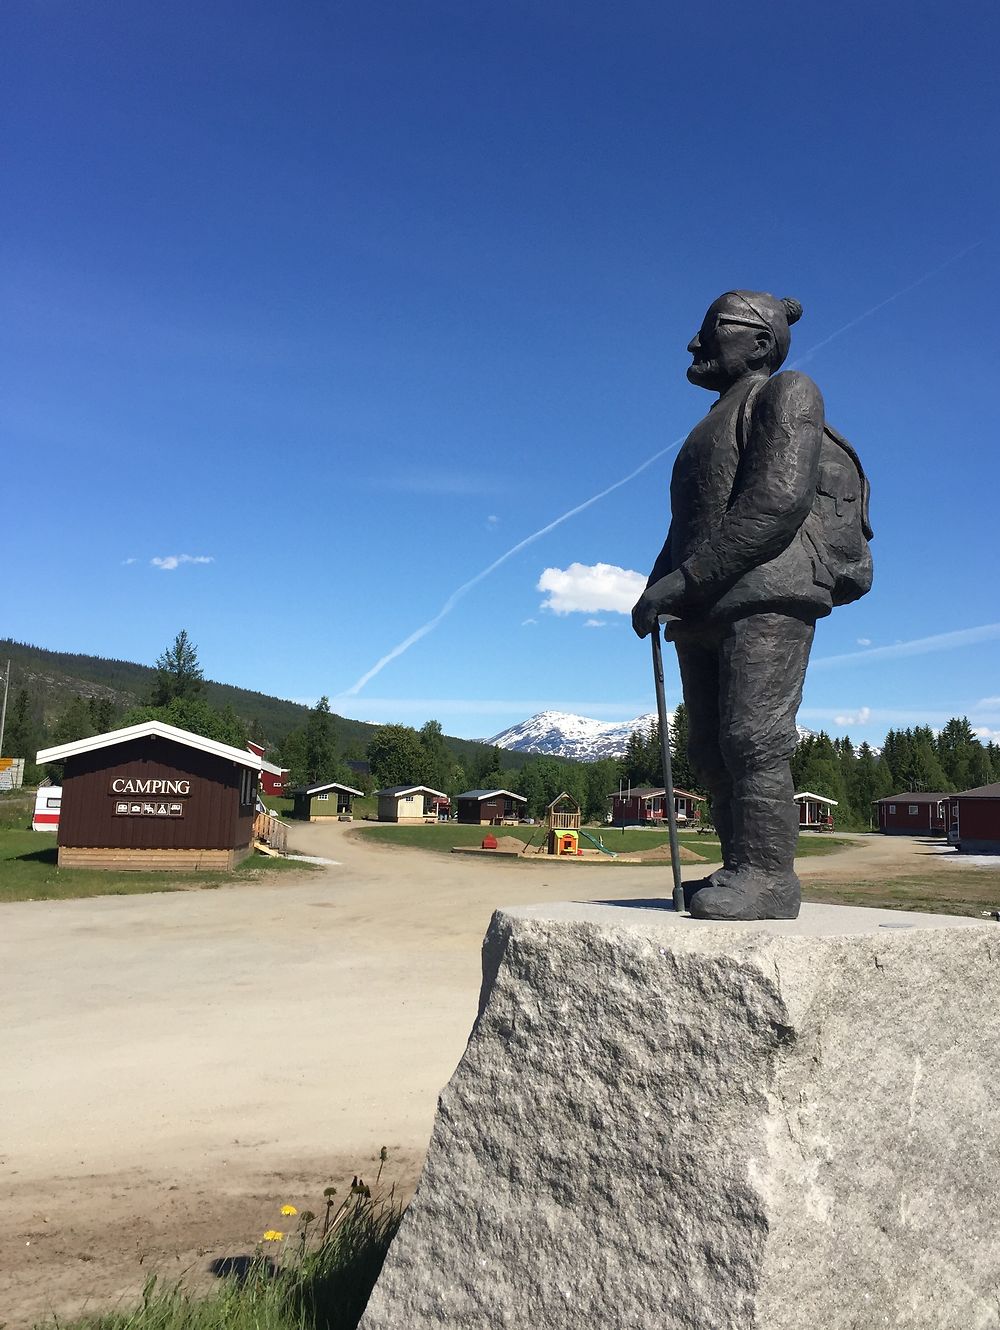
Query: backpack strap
743, 419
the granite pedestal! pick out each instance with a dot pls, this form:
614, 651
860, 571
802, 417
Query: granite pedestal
662, 1124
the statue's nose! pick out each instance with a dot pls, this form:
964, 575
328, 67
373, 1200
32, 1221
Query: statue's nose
694, 344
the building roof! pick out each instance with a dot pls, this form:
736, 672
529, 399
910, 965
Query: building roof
397, 791
651, 792
269, 767
980, 792
325, 787
489, 794
820, 798
150, 729
915, 797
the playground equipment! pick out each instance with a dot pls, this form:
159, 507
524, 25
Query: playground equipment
598, 844
562, 822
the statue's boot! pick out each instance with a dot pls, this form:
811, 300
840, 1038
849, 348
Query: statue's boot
763, 884
747, 894
723, 820
692, 887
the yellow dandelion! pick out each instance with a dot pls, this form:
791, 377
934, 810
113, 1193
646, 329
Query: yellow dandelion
272, 1235
289, 1210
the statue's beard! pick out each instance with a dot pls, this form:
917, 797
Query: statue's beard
704, 373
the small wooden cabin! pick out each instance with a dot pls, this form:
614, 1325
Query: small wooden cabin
976, 819
490, 807
648, 804
913, 814
334, 800
152, 796
815, 811
410, 803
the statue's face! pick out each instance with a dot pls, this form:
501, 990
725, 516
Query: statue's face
727, 346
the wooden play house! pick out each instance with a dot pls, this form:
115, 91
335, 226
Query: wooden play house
562, 821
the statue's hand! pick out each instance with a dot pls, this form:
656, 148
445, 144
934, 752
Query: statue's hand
663, 597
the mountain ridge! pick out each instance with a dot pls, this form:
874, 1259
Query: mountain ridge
580, 738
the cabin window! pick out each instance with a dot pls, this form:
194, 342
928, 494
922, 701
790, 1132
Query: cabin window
52, 803
892, 808
912, 810
246, 786
322, 798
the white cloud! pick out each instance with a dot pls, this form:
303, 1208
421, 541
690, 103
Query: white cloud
126, 562
860, 717
586, 588
986, 734
864, 641
595, 623
171, 561
526, 622
492, 520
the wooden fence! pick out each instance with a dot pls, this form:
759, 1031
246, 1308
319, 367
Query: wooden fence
271, 832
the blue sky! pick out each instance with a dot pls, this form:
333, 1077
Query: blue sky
315, 311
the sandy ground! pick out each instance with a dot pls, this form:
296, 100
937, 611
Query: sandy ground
174, 1068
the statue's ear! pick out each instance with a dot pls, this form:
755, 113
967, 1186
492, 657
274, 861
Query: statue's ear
764, 344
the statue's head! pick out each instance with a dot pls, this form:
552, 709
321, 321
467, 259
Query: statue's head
744, 332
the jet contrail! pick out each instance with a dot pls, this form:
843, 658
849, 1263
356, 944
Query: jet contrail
917, 646
903, 291
457, 595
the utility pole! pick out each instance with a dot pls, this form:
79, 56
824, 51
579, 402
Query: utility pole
3, 712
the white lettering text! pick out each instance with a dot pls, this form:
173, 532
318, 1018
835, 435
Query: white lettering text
152, 785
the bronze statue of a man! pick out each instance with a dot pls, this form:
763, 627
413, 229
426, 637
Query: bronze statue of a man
769, 530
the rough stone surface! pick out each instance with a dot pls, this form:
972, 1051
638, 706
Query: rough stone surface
680, 1125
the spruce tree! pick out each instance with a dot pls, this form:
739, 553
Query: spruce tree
320, 755
680, 763
178, 672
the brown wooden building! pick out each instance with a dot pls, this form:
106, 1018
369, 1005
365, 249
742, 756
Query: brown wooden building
643, 804
975, 819
913, 814
152, 796
490, 807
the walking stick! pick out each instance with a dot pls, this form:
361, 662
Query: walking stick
668, 780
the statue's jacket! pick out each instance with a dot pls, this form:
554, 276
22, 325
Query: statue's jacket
747, 528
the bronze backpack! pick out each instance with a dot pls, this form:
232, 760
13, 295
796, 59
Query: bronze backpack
837, 530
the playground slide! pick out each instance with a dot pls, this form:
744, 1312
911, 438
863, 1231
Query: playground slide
603, 848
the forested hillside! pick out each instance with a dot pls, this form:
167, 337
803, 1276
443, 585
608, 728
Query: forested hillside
57, 696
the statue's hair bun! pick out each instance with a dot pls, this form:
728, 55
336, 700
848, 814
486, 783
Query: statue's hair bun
792, 308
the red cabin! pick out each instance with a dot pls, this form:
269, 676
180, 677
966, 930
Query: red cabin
913, 814
648, 805
273, 780
976, 819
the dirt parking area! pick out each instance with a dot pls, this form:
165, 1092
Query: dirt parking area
176, 1067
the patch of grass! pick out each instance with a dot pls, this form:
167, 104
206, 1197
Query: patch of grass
16, 807
967, 891
318, 1277
28, 872
443, 836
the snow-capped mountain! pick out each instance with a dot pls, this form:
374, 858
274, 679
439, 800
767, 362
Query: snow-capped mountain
563, 734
